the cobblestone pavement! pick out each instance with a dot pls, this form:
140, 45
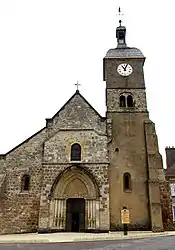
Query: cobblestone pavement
158, 243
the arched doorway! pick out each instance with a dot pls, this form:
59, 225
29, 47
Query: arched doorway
74, 205
75, 215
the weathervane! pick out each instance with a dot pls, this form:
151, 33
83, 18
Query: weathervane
120, 14
77, 84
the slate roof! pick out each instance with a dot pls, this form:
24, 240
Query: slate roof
126, 52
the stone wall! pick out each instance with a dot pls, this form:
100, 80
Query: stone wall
44, 156
133, 146
139, 100
114, 80
166, 204
84, 126
19, 210
78, 114
155, 167
58, 148
128, 137
99, 174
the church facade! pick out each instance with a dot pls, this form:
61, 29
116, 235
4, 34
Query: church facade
79, 171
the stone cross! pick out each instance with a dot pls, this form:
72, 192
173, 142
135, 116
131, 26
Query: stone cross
77, 84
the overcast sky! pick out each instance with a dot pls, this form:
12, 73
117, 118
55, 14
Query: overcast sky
46, 46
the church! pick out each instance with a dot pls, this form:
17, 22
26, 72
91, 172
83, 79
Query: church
78, 172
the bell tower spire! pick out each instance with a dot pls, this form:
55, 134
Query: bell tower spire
121, 33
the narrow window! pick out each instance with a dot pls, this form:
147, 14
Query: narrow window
130, 101
25, 183
173, 213
126, 181
122, 101
76, 152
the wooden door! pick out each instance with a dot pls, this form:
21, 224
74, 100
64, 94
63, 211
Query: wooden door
75, 215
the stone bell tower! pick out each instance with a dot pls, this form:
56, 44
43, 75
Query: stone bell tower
135, 162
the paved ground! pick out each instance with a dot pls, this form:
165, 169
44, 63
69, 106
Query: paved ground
76, 237
156, 243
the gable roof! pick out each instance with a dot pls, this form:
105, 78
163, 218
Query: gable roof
3, 156
26, 140
78, 93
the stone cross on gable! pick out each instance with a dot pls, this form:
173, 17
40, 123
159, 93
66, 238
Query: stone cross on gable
77, 84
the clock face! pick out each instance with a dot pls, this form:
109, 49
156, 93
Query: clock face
124, 69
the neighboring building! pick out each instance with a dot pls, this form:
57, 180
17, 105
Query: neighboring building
170, 174
78, 172
173, 197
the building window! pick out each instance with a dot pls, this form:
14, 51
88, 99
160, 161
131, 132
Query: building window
172, 189
173, 213
130, 101
126, 100
76, 152
25, 183
122, 101
127, 182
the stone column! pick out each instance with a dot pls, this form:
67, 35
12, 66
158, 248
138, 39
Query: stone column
58, 214
64, 215
97, 214
51, 215
55, 210
92, 214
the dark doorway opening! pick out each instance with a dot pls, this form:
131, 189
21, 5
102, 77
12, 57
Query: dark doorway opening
75, 216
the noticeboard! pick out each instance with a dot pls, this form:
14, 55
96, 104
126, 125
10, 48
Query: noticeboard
125, 216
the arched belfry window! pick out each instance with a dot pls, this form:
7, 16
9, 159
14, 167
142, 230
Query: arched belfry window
76, 152
122, 101
130, 101
25, 182
126, 182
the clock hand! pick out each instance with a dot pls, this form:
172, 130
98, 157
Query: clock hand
124, 67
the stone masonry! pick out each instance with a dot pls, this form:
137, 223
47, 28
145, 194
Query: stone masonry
45, 156
79, 171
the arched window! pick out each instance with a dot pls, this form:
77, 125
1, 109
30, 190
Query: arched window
25, 182
130, 101
122, 101
126, 181
76, 152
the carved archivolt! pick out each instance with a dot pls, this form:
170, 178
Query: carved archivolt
75, 183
